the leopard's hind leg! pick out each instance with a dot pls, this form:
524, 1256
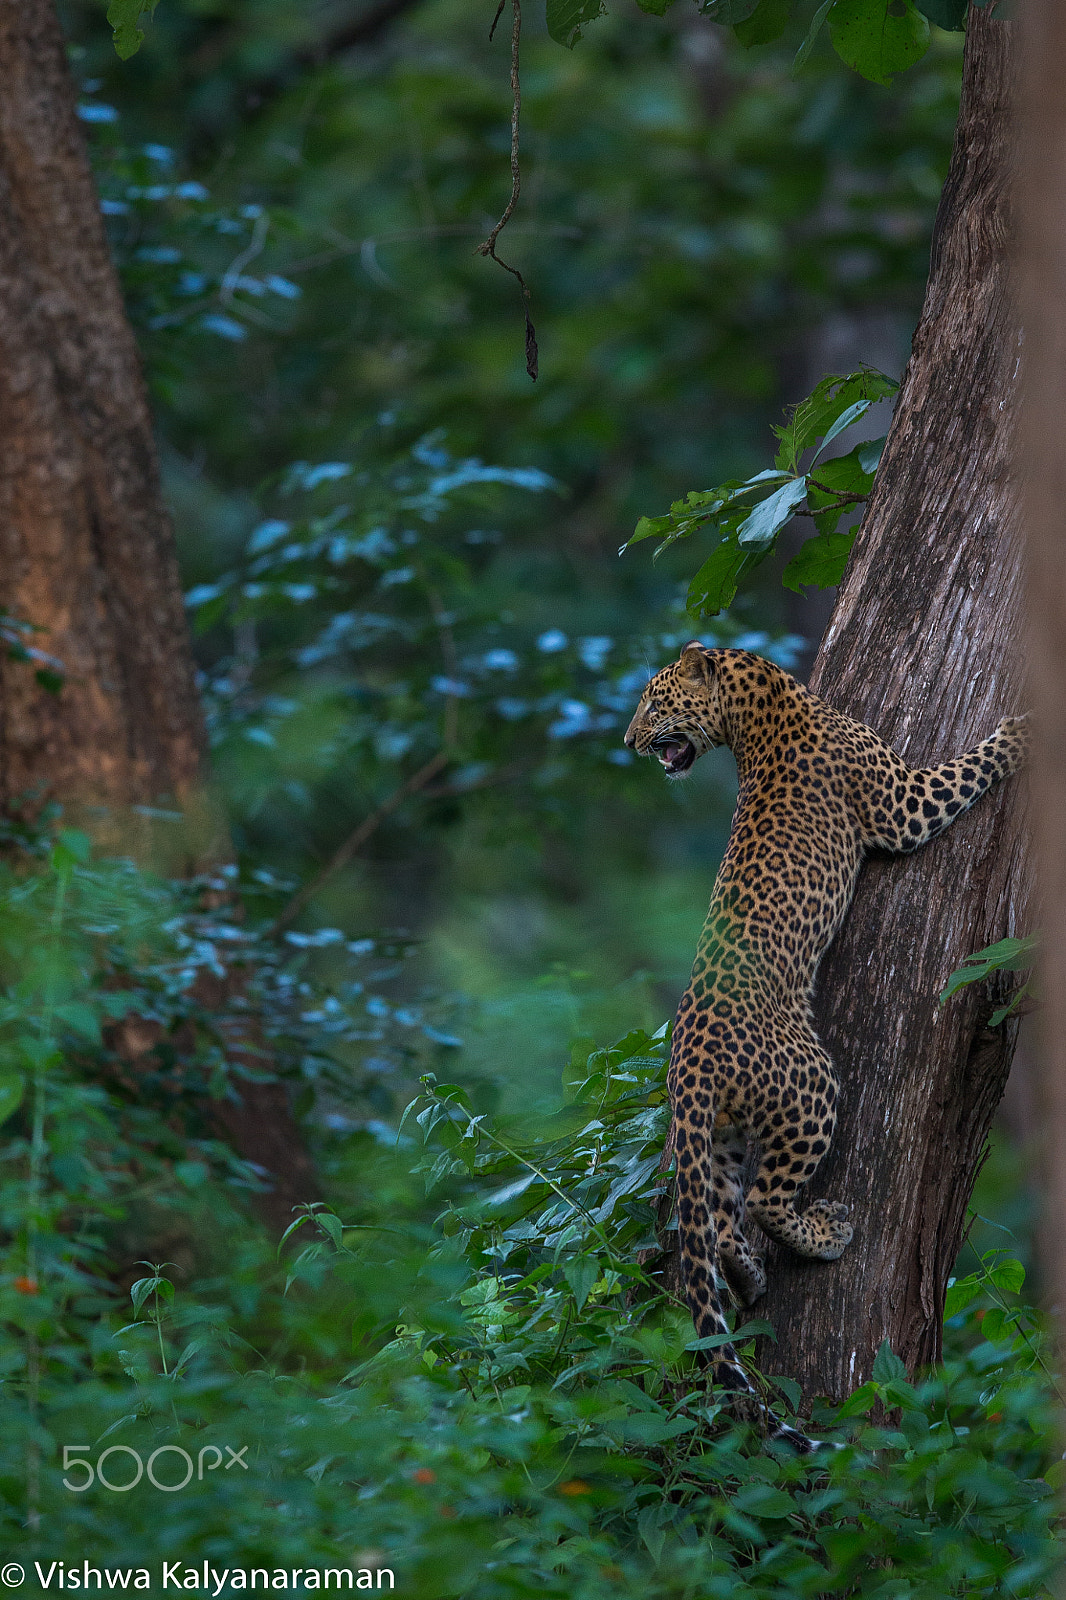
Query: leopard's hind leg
699, 1253
794, 1127
743, 1266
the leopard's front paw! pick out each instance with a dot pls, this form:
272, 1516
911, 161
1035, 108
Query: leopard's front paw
834, 1231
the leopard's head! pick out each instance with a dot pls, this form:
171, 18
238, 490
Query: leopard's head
680, 716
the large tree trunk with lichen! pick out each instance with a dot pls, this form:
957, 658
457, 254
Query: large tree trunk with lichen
924, 645
88, 556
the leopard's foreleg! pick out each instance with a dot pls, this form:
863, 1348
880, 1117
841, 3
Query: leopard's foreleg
913, 806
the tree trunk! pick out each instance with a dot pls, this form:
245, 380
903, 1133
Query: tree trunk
923, 646
1043, 279
87, 548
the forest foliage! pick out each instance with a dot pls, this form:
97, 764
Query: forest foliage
470, 1377
414, 633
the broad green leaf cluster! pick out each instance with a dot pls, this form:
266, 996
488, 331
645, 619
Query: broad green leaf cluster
877, 38
744, 518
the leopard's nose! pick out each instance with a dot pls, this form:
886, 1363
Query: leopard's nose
630, 740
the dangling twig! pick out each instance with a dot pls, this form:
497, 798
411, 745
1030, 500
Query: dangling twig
488, 247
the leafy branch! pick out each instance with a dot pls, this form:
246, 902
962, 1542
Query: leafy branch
1009, 955
747, 515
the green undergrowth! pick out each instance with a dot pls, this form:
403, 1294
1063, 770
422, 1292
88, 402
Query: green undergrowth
460, 1370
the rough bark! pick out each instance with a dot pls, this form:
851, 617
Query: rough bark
87, 551
923, 645
1043, 278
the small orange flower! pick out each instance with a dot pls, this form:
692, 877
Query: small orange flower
26, 1285
424, 1475
574, 1486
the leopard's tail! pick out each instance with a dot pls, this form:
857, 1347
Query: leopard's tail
699, 1255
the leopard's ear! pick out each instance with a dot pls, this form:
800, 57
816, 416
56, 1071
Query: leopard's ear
696, 662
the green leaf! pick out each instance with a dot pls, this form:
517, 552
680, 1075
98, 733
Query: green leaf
820, 561
1001, 1013
791, 1390
960, 1293
50, 681
651, 1531
655, 8
699, 507
124, 15
770, 515
878, 37
581, 1274
757, 1328
193, 1174
1008, 1274
851, 414
1012, 955
72, 849
131, 1416
746, 531
648, 1429
811, 418
330, 1223
763, 1500
864, 1399
567, 18
715, 584
766, 23
647, 528
887, 1365
12, 1089
81, 1018
140, 1290
998, 1325
840, 475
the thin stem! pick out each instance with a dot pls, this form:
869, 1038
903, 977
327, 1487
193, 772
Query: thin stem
488, 246
33, 1219
159, 1331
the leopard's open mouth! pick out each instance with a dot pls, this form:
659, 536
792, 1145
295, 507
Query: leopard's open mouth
676, 754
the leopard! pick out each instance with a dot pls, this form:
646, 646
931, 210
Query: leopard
816, 792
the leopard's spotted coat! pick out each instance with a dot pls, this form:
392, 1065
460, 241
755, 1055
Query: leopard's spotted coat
817, 791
